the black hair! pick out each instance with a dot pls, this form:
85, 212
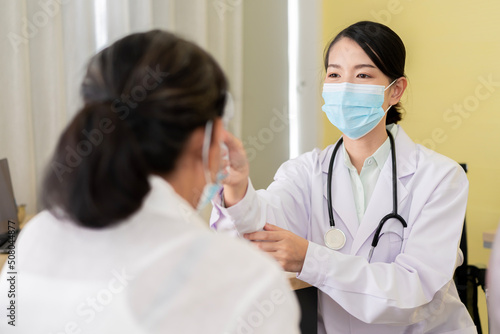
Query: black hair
143, 98
385, 49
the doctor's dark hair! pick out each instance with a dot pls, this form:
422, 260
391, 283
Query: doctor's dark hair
143, 98
385, 49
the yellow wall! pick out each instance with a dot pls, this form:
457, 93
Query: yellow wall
453, 47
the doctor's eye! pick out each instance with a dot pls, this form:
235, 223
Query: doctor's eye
363, 76
333, 75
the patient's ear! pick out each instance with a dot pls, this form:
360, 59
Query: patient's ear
194, 145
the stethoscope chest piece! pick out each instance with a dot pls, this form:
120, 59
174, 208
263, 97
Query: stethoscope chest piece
335, 238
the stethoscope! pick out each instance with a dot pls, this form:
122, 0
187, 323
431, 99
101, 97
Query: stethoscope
334, 238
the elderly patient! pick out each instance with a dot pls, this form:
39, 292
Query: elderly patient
120, 247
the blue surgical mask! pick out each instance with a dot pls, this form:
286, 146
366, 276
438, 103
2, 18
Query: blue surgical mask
211, 187
210, 190
355, 109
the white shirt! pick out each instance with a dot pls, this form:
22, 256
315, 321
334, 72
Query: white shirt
159, 271
364, 182
408, 285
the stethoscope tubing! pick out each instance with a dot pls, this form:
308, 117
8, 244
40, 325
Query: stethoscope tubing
394, 214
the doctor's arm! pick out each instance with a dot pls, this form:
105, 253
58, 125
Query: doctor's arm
414, 286
286, 203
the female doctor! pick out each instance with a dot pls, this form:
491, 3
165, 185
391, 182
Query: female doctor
373, 221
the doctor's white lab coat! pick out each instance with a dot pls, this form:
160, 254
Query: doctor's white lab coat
408, 286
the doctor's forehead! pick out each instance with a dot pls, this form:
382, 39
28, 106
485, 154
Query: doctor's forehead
347, 53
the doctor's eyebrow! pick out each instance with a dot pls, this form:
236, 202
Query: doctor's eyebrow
356, 67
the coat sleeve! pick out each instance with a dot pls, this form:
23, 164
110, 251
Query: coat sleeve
493, 273
286, 202
407, 290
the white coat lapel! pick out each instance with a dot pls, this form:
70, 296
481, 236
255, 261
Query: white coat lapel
381, 200
342, 196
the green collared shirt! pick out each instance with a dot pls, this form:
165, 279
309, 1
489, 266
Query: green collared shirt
364, 183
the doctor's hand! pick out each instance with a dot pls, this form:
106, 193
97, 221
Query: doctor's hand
286, 247
236, 183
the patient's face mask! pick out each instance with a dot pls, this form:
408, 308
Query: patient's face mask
211, 187
355, 109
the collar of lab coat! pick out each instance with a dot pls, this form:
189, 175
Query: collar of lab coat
343, 199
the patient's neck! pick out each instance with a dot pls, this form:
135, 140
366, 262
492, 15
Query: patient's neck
188, 182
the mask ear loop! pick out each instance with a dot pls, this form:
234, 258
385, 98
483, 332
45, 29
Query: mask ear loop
207, 140
386, 88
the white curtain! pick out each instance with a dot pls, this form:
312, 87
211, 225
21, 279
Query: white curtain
305, 75
46, 44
